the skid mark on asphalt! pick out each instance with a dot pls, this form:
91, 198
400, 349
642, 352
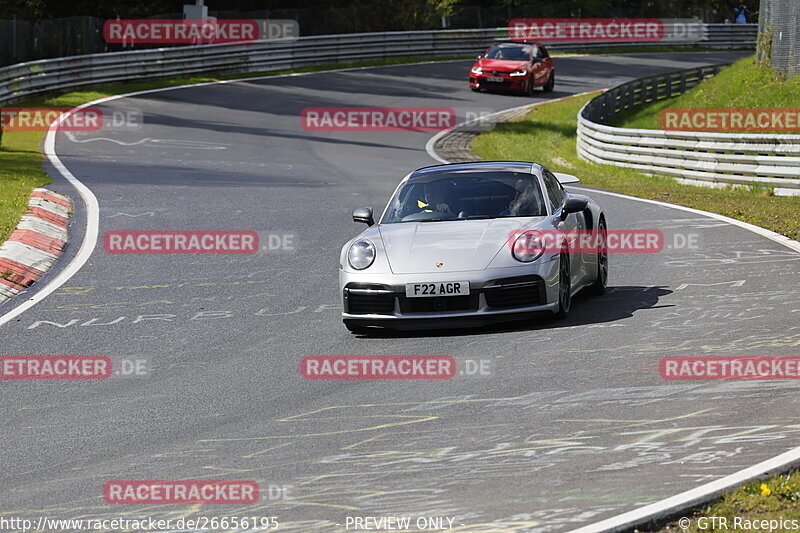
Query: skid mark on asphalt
635, 422
735, 257
413, 420
147, 141
261, 452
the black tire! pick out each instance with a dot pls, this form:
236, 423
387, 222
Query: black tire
601, 282
355, 329
475, 89
551, 82
531, 86
564, 286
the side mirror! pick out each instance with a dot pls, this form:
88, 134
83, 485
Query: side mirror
573, 205
363, 214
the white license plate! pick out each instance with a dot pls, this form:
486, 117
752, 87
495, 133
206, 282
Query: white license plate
493, 78
445, 288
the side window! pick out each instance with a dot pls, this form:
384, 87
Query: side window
554, 191
542, 52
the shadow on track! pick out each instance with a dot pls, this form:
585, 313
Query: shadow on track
617, 304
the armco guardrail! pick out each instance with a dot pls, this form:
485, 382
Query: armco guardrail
706, 158
637, 92
19, 81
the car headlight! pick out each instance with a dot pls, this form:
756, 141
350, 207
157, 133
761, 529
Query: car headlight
528, 247
361, 254
520, 72
477, 70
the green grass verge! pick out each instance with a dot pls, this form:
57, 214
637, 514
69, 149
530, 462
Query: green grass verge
745, 84
21, 161
772, 499
20, 172
547, 135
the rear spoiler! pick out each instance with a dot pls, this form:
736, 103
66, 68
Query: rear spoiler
564, 179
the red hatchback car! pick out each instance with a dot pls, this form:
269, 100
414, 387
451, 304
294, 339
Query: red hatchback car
517, 67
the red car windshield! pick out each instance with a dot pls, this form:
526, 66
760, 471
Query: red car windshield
509, 52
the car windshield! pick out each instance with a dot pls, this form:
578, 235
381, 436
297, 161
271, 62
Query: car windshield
466, 196
511, 53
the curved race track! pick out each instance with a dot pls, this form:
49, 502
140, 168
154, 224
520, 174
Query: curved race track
573, 423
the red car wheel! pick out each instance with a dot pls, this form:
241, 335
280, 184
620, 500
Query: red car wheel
531, 85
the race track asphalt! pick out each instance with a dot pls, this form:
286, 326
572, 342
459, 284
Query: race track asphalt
572, 423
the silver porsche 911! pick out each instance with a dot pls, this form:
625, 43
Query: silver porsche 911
462, 244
